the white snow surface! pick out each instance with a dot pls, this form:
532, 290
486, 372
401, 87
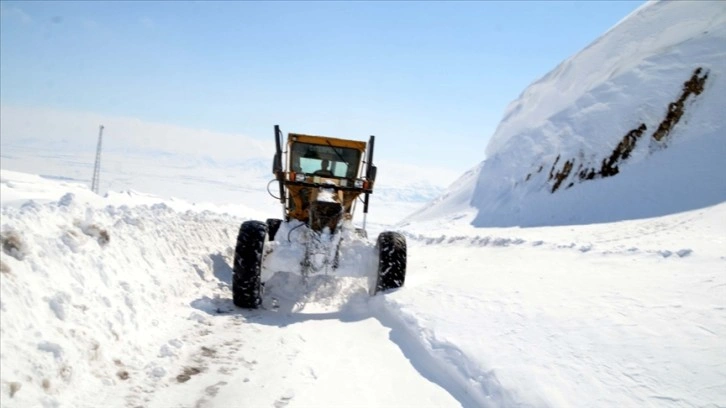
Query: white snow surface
622, 314
610, 293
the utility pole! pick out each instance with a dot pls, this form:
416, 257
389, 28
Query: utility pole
97, 167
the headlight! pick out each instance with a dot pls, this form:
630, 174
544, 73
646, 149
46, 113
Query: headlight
358, 184
300, 177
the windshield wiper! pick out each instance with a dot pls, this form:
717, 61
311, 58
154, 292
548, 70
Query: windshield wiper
336, 152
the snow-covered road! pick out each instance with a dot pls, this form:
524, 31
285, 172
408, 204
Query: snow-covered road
268, 358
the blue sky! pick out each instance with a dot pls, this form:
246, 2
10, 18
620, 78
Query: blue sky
430, 79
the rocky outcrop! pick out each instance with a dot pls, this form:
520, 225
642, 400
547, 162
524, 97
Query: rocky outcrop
609, 166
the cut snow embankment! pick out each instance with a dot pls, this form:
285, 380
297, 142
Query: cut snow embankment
89, 293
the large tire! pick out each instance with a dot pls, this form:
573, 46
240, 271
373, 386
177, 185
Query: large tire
391, 261
273, 224
246, 281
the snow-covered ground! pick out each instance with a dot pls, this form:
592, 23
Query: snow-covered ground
120, 302
607, 292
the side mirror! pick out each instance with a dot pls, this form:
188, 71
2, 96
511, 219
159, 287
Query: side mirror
374, 169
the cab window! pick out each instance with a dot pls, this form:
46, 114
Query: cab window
308, 158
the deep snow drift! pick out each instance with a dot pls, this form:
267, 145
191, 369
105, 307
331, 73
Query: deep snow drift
630, 127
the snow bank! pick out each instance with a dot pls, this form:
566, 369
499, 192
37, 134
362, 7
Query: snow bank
630, 127
88, 292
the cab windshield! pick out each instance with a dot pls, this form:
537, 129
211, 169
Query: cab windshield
324, 160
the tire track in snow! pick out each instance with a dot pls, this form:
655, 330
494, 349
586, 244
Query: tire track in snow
204, 366
307, 354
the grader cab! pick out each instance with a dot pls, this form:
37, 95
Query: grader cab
323, 178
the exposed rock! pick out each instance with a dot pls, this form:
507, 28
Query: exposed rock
609, 166
693, 86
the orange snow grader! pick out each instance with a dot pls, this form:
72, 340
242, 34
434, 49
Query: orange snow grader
320, 180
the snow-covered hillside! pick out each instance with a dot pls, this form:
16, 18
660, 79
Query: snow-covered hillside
630, 127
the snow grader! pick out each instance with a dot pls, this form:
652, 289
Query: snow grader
321, 180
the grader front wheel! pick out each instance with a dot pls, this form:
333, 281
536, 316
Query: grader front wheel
246, 276
391, 261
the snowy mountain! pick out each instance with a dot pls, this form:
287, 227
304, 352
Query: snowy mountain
614, 296
630, 127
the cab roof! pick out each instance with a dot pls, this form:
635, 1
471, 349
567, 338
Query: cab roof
326, 141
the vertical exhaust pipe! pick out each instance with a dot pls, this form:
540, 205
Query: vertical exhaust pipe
370, 174
277, 168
